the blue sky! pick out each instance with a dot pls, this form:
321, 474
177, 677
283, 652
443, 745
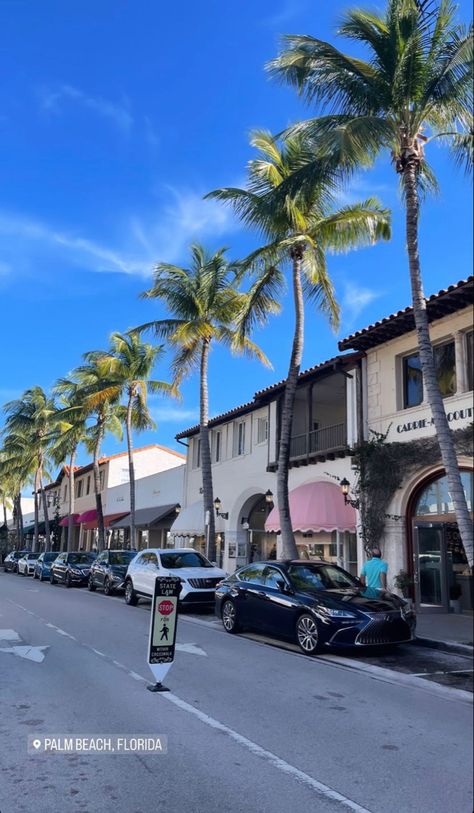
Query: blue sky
115, 118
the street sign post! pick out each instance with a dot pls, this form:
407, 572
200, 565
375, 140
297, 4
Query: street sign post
162, 637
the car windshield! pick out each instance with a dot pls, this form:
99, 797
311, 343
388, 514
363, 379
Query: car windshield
32, 555
80, 558
50, 557
321, 577
176, 559
121, 557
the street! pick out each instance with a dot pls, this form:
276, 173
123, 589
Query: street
249, 726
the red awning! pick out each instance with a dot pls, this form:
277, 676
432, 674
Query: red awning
316, 507
87, 516
65, 520
92, 524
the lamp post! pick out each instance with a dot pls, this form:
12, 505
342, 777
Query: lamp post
345, 489
219, 513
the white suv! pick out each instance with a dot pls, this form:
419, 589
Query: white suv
199, 577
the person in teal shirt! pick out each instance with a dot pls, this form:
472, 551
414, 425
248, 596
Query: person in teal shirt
374, 572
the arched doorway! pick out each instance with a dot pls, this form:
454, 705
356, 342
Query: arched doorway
254, 543
441, 571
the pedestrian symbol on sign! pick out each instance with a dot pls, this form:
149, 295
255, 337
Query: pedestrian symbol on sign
163, 628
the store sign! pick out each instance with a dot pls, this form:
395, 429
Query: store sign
163, 621
423, 423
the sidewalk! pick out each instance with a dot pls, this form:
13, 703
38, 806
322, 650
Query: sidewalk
449, 629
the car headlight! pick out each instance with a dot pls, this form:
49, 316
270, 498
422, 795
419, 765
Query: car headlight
76, 571
332, 613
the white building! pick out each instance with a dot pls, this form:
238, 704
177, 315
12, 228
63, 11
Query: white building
244, 450
421, 535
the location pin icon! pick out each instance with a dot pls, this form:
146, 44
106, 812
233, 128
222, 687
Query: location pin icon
36, 743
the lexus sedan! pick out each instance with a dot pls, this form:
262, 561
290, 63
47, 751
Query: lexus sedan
198, 576
315, 604
26, 565
109, 569
71, 569
43, 565
10, 564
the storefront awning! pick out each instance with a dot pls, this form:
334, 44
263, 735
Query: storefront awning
64, 522
108, 519
87, 516
146, 517
30, 529
316, 507
190, 521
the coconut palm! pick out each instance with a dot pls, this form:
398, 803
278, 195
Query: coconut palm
98, 403
17, 468
70, 430
28, 422
413, 90
127, 367
300, 229
204, 302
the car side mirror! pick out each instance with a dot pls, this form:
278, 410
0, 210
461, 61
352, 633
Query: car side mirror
284, 586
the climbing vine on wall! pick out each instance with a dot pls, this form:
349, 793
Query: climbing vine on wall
382, 468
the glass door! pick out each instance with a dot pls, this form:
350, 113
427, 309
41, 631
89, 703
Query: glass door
431, 587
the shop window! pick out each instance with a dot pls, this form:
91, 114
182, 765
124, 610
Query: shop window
445, 365
470, 359
435, 499
239, 439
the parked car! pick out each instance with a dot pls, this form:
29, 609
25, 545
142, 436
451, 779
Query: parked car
26, 565
109, 570
43, 565
10, 563
199, 577
71, 568
315, 604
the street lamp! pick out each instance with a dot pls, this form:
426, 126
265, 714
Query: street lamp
177, 508
219, 513
345, 489
269, 497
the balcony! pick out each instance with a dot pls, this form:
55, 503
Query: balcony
320, 444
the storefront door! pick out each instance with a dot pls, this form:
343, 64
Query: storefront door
431, 585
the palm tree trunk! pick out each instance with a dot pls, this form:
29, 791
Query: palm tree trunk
72, 499
289, 548
206, 465
36, 534
98, 496
131, 470
435, 400
19, 515
5, 515
45, 514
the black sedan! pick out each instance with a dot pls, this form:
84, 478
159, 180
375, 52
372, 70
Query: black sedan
10, 563
71, 568
109, 570
315, 604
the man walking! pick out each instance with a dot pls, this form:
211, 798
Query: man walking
374, 572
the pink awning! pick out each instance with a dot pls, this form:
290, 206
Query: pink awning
87, 516
108, 518
316, 507
65, 520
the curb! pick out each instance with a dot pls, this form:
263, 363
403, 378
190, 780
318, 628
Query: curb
445, 646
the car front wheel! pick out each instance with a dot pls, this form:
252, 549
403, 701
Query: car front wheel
68, 580
229, 617
51, 578
90, 584
307, 634
107, 587
131, 597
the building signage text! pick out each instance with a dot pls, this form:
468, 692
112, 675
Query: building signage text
456, 415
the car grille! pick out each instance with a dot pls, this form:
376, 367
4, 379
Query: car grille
384, 628
204, 583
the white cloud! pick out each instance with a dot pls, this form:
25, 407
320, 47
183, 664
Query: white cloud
169, 414
355, 299
285, 14
119, 115
163, 235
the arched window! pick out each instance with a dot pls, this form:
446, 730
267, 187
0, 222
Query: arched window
435, 498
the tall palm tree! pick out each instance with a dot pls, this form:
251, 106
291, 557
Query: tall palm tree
127, 367
99, 402
300, 228
205, 303
413, 89
17, 469
29, 420
69, 429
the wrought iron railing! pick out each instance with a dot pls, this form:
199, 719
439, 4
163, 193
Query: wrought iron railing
319, 441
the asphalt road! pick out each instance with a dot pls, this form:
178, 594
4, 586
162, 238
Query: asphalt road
249, 726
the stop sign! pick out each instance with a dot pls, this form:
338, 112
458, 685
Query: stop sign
166, 607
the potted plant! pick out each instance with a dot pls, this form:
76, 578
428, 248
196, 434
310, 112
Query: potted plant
403, 582
455, 593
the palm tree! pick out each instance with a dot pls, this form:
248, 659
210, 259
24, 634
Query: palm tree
69, 427
127, 367
300, 228
29, 422
17, 468
414, 88
98, 398
205, 303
